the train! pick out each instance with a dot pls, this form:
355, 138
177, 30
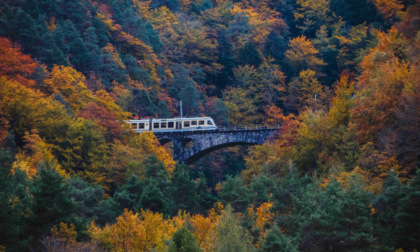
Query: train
173, 124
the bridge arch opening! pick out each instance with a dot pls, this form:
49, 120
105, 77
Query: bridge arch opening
168, 145
187, 143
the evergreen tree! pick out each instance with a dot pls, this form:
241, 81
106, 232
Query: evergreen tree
14, 205
51, 204
77, 48
334, 219
386, 207
204, 199
276, 241
183, 241
89, 202
182, 190
235, 193
155, 187
143, 105
128, 195
407, 229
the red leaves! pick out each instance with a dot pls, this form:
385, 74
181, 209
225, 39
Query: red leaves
14, 64
103, 118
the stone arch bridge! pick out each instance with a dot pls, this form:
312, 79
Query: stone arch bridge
205, 142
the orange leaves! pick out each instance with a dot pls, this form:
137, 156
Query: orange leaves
103, 118
262, 215
388, 8
387, 72
205, 228
274, 115
15, 65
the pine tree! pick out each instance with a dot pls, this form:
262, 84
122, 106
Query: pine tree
276, 241
51, 204
14, 205
182, 190
386, 207
407, 229
183, 241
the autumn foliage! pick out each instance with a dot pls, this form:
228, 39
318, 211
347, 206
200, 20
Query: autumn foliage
339, 78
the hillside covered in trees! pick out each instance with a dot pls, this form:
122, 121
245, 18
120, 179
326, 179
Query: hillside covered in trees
341, 77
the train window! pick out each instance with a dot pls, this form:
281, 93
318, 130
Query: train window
186, 123
209, 122
156, 125
141, 125
134, 125
163, 125
170, 124
193, 123
201, 122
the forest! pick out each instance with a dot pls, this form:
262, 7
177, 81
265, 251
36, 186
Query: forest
341, 77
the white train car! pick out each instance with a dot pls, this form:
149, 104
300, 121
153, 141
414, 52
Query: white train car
173, 124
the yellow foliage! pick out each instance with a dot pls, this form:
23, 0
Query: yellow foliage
109, 48
131, 232
109, 23
105, 100
34, 153
263, 215
70, 84
143, 8
343, 101
263, 21
302, 54
258, 157
149, 144
342, 177
65, 233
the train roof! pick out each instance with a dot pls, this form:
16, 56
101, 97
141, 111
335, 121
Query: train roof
176, 118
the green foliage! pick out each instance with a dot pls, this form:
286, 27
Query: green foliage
90, 203
51, 203
334, 218
235, 193
230, 235
15, 205
407, 218
277, 241
386, 207
184, 241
